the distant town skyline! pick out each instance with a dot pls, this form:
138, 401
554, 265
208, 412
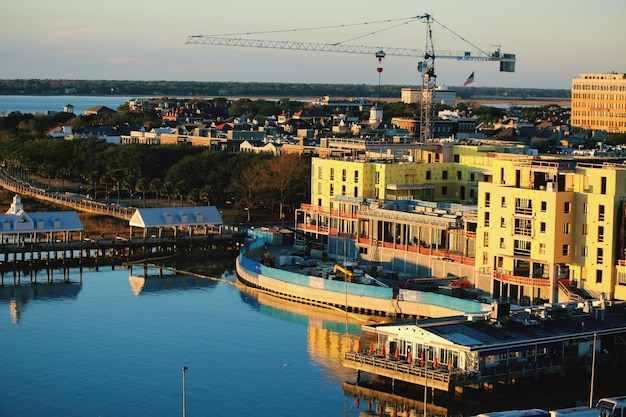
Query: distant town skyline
554, 41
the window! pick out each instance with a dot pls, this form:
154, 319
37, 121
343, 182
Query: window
585, 251
444, 190
565, 250
319, 188
377, 177
542, 227
459, 175
621, 278
542, 249
356, 191
603, 185
566, 228
600, 233
501, 243
487, 199
585, 208
332, 174
456, 158
544, 206
601, 212
343, 175
427, 175
584, 231
600, 256
356, 176
444, 175
486, 261
599, 276
503, 202
472, 177
319, 173
343, 190
486, 218
502, 223
332, 189
486, 239
567, 207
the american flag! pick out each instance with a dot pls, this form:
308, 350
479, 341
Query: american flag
469, 80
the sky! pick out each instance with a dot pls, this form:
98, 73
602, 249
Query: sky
553, 40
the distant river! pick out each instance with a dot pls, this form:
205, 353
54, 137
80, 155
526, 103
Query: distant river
43, 104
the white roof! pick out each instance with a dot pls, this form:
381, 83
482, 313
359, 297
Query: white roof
52, 221
176, 216
16, 220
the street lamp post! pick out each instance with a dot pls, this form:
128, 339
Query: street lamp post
184, 394
426, 352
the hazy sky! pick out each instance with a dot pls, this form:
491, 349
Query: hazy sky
554, 40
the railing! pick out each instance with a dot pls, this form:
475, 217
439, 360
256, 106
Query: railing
515, 279
443, 373
526, 211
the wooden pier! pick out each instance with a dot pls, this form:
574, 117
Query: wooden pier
104, 251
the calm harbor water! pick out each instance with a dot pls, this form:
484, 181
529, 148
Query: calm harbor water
113, 344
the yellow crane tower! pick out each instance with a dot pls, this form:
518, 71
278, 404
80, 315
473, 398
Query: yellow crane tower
426, 65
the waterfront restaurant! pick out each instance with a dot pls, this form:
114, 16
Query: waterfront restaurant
498, 347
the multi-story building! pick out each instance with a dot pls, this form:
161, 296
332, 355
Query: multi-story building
550, 222
525, 228
441, 95
599, 102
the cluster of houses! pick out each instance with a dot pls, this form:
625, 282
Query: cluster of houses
200, 123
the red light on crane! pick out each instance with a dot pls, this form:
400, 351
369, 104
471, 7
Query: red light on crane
380, 55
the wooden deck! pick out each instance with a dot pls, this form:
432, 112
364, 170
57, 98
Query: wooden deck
440, 378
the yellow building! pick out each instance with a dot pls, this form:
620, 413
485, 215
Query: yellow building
552, 223
599, 102
521, 227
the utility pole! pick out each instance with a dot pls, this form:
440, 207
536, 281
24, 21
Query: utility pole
184, 394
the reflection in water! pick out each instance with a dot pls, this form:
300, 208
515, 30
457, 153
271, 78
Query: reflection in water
330, 333
17, 296
379, 397
157, 282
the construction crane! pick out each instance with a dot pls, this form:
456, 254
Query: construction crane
426, 66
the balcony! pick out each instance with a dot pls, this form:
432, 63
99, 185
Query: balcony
519, 280
524, 211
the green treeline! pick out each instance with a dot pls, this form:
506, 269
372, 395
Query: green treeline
251, 89
180, 175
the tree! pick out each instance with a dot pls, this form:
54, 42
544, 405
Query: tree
155, 186
283, 176
246, 188
141, 186
168, 190
205, 194
117, 176
130, 182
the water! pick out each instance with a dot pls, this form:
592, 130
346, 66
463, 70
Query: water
110, 347
112, 344
42, 104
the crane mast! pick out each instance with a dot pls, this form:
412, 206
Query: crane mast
426, 67
429, 83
